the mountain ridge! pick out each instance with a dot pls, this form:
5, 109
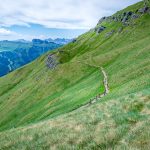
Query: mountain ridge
39, 106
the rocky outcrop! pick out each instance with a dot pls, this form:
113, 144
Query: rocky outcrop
51, 61
144, 10
135, 16
120, 29
100, 29
102, 20
74, 40
108, 19
124, 17
109, 33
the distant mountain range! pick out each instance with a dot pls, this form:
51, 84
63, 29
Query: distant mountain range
14, 54
60, 41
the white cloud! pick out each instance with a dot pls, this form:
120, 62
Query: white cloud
8, 34
58, 13
5, 32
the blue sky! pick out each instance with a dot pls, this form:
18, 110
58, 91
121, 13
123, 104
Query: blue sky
39, 31
28, 19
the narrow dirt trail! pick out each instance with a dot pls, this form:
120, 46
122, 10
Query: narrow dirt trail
105, 83
106, 88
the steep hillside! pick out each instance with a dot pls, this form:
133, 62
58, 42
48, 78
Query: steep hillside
40, 104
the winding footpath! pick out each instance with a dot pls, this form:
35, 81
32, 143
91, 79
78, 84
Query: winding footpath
105, 83
106, 87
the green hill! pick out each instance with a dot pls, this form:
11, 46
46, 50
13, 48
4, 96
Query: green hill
40, 104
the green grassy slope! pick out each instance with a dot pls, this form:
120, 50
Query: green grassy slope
120, 123
34, 93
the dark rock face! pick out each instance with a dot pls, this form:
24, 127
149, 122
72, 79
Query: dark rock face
115, 19
108, 19
101, 20
134, 16
109, 33
120, 29
51, 61
129, 13
74, 40
124, 19
100, 29
144, 10
126, 16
